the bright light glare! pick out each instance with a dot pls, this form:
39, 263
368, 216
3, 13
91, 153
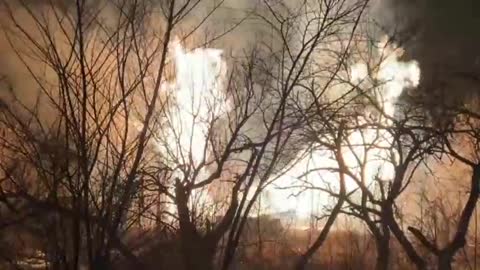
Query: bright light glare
196, 100
199, 98
394, 76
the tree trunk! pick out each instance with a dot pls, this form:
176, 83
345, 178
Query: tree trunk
198, 255
383, 253
388, 216
444, 262
198, 251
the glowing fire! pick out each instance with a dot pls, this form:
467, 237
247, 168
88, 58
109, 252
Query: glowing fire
195, 100
198, 99
298, 191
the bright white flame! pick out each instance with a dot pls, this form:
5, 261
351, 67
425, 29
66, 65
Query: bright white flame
394, 77
196, 100
199, 98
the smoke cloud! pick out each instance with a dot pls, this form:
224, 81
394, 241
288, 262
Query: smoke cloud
443, 36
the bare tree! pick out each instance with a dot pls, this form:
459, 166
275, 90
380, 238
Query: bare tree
76, 157
380, 148
417, 140
459, 142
